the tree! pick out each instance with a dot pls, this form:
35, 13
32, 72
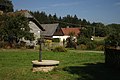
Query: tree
13, 27
113, 28
71, 41
84, 22
100, 29
6, 6
75, 19
86, 31
55, 17
113, 40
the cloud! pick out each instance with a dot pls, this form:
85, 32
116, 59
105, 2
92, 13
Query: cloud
65, 4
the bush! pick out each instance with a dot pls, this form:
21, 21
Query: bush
113, 40
47, 44
59, 49
5, 45
83, 40
102, 42
99, 45
55, 40
71, 42
91, 45
82, 47
100, 48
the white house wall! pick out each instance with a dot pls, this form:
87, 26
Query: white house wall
61, 37
34, 29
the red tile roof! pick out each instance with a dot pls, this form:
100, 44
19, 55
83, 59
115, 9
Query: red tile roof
67, 31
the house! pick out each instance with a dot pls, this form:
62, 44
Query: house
50, 30
54, 31
66, 32
34, 25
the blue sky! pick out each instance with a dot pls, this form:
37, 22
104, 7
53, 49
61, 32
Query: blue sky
105, 11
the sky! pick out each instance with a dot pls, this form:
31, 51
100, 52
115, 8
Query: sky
104, 11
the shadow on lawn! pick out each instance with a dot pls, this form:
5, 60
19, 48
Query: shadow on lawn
94, 72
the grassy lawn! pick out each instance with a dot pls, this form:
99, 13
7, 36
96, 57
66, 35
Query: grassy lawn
74, 65
99, 38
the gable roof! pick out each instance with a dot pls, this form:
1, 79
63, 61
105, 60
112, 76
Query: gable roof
49, 29
31, 18
26, 13
67, 31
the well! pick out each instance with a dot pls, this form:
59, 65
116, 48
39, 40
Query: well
44, 65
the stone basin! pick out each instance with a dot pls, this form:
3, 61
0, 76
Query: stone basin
44, 65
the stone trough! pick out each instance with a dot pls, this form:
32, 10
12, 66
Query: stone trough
44, 65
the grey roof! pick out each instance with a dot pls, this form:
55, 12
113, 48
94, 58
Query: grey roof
49, 29
31, 18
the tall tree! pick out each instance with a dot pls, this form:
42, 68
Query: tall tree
55, 17
6, 6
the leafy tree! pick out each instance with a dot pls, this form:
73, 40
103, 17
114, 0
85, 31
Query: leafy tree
113, 28
71, 41
100, 29
13, 27
114, 36
86, 31
113, 40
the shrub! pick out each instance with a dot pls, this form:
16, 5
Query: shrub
47, 44
102, 42
113, 40
99, 45
100, 48
71, 42
82, 47
55, 40
83, 40
59, 49
91, 45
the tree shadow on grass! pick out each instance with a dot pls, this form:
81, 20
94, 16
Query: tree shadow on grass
94, 72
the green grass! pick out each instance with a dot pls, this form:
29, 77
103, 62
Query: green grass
99, 38
74, 65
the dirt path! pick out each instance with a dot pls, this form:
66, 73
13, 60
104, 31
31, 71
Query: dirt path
84, 51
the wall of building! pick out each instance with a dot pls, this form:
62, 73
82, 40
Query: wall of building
61, 37
34, 29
